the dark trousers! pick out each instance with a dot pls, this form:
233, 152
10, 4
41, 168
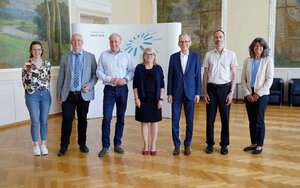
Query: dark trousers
189, 118
113, 95
256, 115
217, 95
74, 101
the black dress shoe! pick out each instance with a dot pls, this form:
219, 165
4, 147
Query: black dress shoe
187, 150
249, 148
84, 148
257, 151
209, 149
176, 151
224, 150
62, 151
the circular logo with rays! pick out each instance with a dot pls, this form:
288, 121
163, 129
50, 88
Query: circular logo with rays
139, 42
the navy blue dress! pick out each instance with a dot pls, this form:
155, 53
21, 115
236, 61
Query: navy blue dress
148, 111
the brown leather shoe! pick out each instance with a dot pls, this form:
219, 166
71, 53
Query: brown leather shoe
187, 150
176, 151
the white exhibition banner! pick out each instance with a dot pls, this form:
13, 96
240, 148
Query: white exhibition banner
162, 37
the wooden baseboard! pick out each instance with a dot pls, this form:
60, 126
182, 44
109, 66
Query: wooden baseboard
25, 122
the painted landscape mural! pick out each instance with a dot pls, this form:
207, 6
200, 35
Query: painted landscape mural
22, 21
199, 18
287, 41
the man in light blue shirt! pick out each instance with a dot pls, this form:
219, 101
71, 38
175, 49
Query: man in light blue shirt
115, 68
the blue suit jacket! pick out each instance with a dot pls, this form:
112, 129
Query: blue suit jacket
190, 82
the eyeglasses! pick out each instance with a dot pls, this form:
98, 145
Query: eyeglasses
148, 55
182, 42
78, 40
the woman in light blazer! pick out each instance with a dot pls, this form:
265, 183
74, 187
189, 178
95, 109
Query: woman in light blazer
257, 78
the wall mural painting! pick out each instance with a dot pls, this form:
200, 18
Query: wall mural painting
199, 18
287, 36
22, 21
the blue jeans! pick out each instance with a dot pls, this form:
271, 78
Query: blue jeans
113, 95
38, 105
256, 115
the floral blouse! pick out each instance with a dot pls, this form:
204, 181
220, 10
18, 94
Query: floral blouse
34, 78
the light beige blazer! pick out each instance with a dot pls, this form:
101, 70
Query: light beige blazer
264, 76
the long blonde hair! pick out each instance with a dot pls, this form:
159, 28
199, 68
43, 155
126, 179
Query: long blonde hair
155, 62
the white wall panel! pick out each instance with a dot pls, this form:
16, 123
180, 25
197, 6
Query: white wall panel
20, 109
7, 102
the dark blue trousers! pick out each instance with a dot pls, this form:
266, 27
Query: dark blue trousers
189, 118
256, 115
217, 95
113, 95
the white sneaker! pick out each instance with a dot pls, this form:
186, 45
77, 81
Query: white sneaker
36, 150
44, 149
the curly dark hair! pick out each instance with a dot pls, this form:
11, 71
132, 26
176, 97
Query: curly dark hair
264, 44
34, 43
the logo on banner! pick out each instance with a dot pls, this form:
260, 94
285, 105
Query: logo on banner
136, 44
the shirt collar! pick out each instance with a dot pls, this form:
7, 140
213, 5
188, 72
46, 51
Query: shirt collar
182, 55
81, 52
110, 51
223, 51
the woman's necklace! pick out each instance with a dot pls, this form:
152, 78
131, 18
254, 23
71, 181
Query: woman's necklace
37, 62
148, 66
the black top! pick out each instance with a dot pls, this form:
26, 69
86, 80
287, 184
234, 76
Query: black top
149, 83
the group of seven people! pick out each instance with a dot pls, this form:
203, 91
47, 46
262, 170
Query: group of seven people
79, 73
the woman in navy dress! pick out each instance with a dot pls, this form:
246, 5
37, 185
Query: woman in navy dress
148, 88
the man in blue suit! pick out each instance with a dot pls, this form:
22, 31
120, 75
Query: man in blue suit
184, 86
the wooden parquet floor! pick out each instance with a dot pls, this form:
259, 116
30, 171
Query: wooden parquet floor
277, 166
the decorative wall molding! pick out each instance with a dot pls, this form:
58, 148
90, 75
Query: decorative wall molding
13, 108
93, 9
154, 8
272, 27
224, 15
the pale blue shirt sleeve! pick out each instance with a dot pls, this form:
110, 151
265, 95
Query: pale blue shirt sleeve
130, 70
112, 65
100, 73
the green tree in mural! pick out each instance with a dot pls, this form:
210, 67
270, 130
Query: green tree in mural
53, 25
52, 28
203, 10
48, 28
3, 3
58, 29
164, 10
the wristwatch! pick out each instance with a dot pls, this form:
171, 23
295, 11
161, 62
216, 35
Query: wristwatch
231, 91
161, 99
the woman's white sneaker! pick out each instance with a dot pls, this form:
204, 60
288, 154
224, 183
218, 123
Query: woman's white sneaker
44, 149
36, 150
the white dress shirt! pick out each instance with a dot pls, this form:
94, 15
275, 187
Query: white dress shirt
184, 59
111, 65
219, 65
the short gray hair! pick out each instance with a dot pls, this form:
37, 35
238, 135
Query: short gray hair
184, 34
117, 34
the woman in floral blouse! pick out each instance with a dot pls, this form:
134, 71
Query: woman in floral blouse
36, 82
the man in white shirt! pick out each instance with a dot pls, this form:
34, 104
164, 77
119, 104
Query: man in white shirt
115, 68
219, 79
